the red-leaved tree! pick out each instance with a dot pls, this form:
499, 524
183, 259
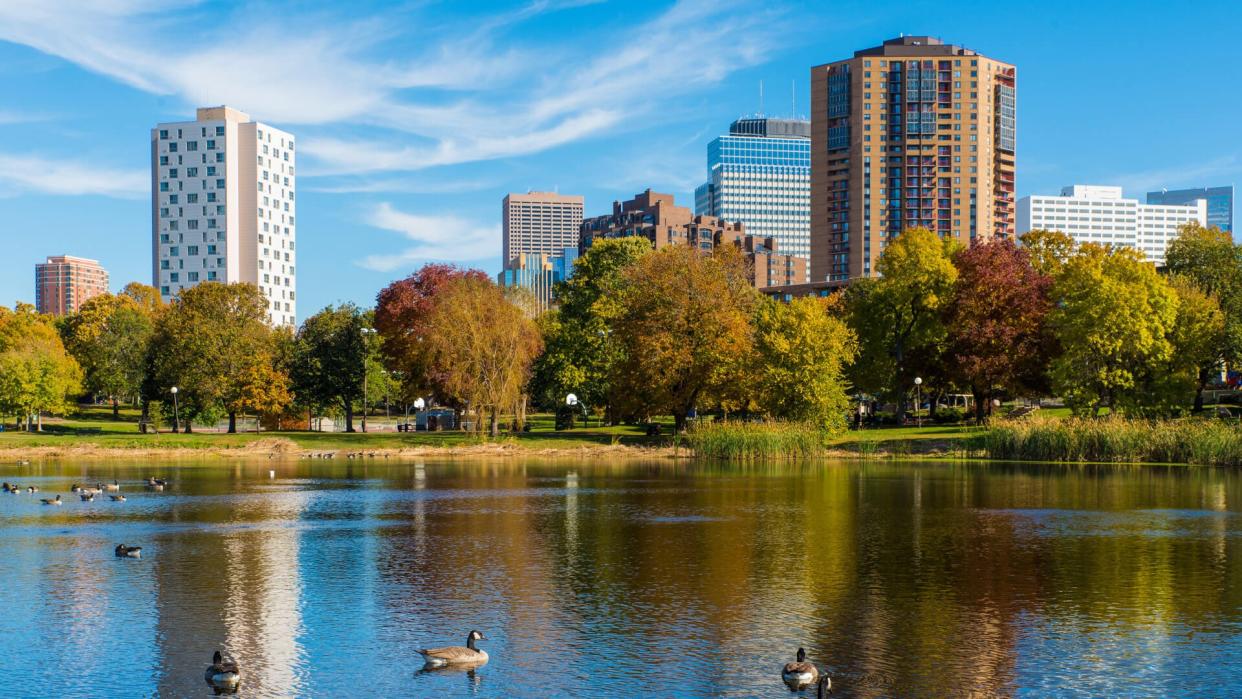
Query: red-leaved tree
997, 333
401, 312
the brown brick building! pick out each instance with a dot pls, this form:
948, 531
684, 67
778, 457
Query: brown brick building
656, 217
64, 283
914, 132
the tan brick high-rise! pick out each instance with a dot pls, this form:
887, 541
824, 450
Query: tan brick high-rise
911, 133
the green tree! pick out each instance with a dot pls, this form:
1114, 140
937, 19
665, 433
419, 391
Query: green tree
684, 318
802, 350
37, 374
1198, 343
330, 359
898, 317
1113, 318
581, 350
1208, 258
208, 343
109, 336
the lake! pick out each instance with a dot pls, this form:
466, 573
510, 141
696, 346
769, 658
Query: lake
599, 579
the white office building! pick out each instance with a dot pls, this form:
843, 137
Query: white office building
1101, 215
223, 207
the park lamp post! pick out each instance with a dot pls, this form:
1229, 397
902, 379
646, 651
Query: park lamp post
365, 332
176, 410
918, 401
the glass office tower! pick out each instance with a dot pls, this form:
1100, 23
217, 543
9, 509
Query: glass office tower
760, 174
1219, 203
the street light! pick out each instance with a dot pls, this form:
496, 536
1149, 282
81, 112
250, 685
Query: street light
176, 411
365, 332
918, 401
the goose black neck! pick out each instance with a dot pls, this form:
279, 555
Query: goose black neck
470, 642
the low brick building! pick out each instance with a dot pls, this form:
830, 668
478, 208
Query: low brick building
657, 217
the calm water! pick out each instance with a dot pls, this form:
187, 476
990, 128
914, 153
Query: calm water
626, 580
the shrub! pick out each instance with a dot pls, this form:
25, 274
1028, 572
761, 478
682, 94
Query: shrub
1116, 439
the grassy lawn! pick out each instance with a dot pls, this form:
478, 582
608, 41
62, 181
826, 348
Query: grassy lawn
95, 426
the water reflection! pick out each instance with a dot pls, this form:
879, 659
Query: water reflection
629, 579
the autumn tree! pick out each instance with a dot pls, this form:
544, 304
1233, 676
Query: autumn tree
36, 372
330, 359
1048, 250
802, 350
582, 350
479, 347
401, 312
997, 334
210, 341
684, 315
1113, 317
109, 336
898, 317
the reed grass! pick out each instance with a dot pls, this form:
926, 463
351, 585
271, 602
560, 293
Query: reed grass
751, 441
1115, 439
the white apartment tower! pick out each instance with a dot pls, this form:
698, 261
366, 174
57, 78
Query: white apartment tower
223, 207
540, 223
1101, 215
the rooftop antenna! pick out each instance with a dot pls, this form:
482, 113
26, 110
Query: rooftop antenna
760, 98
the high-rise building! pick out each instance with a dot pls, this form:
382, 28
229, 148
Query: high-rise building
64, 283
540, 223
657, 218
914, 132
223, 207
760, 174
539, 273
1101, 215
1219, 203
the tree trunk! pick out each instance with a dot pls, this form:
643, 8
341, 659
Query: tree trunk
146, 409
39, 419
981, 410
116, 408
494, 421
679, 422
232, 422
1202, 383
349, 416
187, 427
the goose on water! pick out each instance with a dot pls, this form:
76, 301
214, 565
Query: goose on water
223, 674
51, 501
456, 655
117, 498
123, 551
800, 673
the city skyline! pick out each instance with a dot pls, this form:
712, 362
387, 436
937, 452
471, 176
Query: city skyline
405, 166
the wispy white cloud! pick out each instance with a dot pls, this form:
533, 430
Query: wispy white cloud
436, 237
1201, 174
46, 176
454, 97
399, 184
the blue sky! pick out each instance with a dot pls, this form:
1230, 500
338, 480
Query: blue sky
415, 118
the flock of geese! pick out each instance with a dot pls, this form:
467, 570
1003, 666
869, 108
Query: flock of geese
224, 674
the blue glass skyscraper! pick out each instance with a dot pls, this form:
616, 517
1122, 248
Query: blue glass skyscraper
1219, 203
760, 174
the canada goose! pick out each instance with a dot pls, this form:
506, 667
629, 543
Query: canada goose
156, 483
123, 551
113, 486
32, 489
5, 486
13, 489
456, 655
50, 501
87, 496
117, 498
800, 674
824, 686
76, 488
222, 673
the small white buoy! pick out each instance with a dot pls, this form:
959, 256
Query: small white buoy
271, 474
